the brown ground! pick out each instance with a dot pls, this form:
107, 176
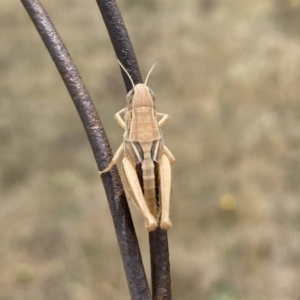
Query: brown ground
229, 76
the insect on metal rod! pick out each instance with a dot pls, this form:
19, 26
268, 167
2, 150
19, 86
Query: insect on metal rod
145, 154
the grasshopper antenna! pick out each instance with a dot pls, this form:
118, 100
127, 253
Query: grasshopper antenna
157, 58
125, 71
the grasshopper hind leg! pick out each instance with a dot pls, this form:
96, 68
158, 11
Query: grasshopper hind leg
133, 190
165, 191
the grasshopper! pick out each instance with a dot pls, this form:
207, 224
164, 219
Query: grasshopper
146, 166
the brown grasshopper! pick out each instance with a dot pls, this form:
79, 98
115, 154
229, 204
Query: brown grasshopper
146, 155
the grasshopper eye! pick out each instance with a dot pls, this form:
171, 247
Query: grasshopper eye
152, 94
130, 95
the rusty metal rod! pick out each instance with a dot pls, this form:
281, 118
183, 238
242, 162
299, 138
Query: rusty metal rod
158, 240
125, 232
120, 40
160, 266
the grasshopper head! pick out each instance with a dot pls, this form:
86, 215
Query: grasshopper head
141, 96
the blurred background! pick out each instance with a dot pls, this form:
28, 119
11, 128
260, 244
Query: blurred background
228, 76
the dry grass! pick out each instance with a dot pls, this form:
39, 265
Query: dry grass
229, 77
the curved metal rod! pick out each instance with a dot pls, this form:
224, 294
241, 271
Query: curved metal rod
120, 40
125, 232
158, 240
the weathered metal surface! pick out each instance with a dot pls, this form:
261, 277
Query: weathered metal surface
126, 236
120, 40
160, 266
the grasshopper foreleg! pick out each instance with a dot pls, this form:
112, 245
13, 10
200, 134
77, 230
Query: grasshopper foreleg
163, 120
119, 119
